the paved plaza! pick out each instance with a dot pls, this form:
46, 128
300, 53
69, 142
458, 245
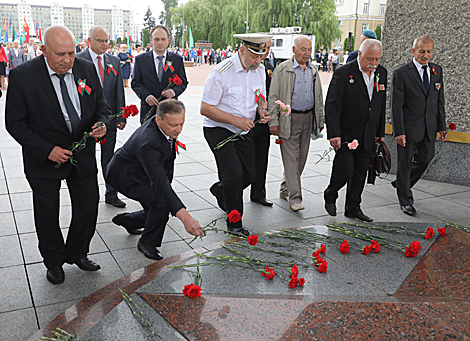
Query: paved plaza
29, 302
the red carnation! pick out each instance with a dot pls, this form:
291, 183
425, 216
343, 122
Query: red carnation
319, 260
415, 246
316, 253
344, 247
234, 216
442, 231
252, 240
408, 252
322, 248
130, 110
294, 271
452, 126
176, 80
366, 249
101, 142
301, 281
278, 141
293, 282
429, 233
323, 267
375, 246
192, 290
268, 273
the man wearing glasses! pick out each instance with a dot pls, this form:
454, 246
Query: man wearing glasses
109, 72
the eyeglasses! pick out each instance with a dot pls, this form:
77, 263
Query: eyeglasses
101, 41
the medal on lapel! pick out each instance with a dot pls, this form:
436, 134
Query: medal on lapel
376, 85
259, 96
437, 86
351, 79
111, 68
168, 65
82, 87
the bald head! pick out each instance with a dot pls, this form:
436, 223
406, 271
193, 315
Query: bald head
301, 40
59, 48
302, 49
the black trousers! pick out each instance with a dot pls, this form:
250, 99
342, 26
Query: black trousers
107, 152
235, 166
349, 167
84, 196
412, 162
261, 139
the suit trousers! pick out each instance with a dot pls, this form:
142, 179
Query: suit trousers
235, 166
84, 195
412, 162
261, 138
107, 152
294, 152
349, 167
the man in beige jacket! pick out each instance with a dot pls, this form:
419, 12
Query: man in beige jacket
296, 82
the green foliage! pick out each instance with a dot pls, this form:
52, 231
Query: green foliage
346, 44
228, 16
214, 38
118, 41
378, 32
198, 35
145, 38
149, 21
165, 16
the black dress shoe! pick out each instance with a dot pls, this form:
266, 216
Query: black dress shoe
408, 209
394, 183
358, 215
121, 220
116, 202
263, 202
238, 231
86, 264
149, 252
55, 276
216, 191
331, 209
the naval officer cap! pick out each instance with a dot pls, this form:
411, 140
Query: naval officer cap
369, 34
255, 42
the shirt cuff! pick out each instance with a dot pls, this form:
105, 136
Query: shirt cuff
209, 101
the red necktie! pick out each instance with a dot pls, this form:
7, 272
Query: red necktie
35, 54
101, 69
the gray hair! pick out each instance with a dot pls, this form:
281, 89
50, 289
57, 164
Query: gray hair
46, 33
170, 106
298, 38
92, 31
422, 39
370, 44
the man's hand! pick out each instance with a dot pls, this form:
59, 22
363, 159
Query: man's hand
443, 136
264, 116
99, 130
274, 130
168, 93
120, 125
244, 124
401, 140
151, 100
190, 224
59, 155
379, 138
335, 142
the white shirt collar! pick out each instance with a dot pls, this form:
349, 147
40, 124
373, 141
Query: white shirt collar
362, 71
420, 66
155, 55
166, 136
51, 72
94, 55
237, 64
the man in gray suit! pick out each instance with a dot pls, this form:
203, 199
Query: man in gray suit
16, 55
34, 52
108, 69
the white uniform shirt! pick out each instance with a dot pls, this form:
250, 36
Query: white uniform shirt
233, 91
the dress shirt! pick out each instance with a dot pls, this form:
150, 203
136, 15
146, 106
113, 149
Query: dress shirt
302, 96
94, 58
369, 81
169, 139
72, 90
233, 91
156, 61
419, 67
16, 52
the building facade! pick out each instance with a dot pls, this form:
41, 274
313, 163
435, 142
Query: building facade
78, 19
357, 15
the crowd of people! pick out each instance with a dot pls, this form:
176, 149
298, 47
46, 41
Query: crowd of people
73, 89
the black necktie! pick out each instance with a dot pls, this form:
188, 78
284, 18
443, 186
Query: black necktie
160, 68
73, 116
425, 77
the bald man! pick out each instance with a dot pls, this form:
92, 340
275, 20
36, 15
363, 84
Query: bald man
56, 112
296, 82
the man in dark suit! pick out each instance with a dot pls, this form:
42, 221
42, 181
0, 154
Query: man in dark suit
46, 122
108, 69
355, 110
16, 55
153, 69
262, 138
143, 170
418, 113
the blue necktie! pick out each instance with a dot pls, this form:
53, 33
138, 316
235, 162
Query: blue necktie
425, 78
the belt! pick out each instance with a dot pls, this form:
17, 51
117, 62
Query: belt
301, 112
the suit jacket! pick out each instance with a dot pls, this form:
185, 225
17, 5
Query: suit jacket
14, 60
145, 81
113, 88
349, 113
145, 161
31, 54
413, 111
34, 118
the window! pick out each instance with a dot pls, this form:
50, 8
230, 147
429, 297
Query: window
382, 9
341, 23
364, 27
278, 42
366, 8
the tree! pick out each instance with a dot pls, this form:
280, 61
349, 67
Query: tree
149, 21
240, 28
145, 38
165, 16
378, 32
118, 41
214, 38
198, 35
346, 44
